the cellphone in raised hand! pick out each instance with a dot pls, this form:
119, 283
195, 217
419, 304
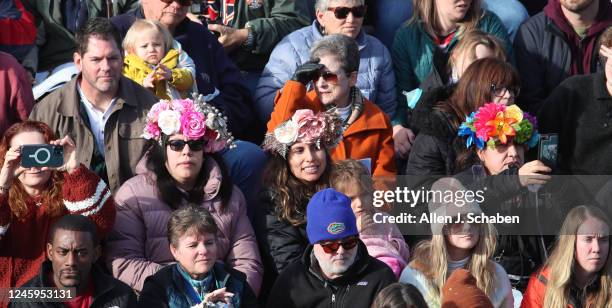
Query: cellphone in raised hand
41, 155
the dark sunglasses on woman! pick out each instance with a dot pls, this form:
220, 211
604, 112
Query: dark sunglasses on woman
499, 91
329, 77
341, 12
194, 145
181, 2
332, 247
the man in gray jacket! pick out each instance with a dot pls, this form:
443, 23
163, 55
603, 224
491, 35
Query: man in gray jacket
103, 112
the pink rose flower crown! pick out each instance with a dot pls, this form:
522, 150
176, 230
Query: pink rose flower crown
195, 119
323, 129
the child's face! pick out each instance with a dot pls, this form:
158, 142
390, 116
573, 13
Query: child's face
149, 46
359, 199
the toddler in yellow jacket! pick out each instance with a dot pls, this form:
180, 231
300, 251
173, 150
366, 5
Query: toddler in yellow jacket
157, 62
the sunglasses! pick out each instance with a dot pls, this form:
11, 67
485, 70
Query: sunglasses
332, 247
329, 77
341, 12
501, 91
179, 145
181, 2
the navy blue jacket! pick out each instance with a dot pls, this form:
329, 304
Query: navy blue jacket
214, 69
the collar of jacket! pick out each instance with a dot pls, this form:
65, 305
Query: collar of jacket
103, 283
68, 108
317, 35
212, 187
354, 272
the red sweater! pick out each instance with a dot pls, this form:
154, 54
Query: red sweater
22, 246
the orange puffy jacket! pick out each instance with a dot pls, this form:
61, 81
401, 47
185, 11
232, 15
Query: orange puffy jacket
536, 289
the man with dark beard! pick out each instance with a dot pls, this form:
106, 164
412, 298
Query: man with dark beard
558, 43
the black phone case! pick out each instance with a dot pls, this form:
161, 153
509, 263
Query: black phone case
41, 155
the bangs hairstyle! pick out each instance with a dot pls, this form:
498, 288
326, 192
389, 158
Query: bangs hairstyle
562, 260
344, 48
291, 195
143, 25
190, 218
426, 14
467, 47
474, 87
349, 170
431, 258
51, 197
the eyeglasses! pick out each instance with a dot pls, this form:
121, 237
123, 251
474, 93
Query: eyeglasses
332, 247
501, 91
194, 145
341, 12
329, 77
181, 2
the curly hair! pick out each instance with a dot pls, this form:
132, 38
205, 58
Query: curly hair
18, 197
291, 195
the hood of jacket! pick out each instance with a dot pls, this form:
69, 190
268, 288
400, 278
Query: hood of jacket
553, 11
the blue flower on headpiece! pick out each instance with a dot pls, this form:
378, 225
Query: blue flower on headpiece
467, 130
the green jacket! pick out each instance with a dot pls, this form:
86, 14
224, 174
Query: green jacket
56, 44
269, 24
413, 56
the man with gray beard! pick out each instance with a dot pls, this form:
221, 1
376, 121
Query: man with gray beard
558, 43
336, 269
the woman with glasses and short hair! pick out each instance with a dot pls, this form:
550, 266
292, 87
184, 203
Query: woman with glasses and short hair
181, 167
333, 68
375, 76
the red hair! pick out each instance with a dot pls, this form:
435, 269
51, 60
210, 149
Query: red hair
52, 197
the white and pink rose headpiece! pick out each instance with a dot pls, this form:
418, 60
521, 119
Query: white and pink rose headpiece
324, 128
194, 119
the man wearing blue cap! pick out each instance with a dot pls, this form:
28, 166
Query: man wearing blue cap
336, 268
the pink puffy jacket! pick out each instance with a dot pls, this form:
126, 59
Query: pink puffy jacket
138, 247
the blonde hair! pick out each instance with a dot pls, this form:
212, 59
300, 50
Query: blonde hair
431, 259
562, 260
425, 13
141, 25
467, 46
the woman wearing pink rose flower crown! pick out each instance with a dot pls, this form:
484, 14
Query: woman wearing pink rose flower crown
181, 168
298, 166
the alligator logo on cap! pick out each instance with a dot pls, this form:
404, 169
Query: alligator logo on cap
336, 228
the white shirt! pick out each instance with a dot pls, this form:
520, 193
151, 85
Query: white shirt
97, 119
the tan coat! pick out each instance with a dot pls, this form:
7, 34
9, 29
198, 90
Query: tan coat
124, 145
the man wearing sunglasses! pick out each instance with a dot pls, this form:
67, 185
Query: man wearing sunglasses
336, 269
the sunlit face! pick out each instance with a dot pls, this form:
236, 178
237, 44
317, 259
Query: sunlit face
360, 200
576, 6
306, 161
462, 236
349, 26
502, 157
336, 263
149, 46
169, 14
32, 177
334, 92
72, 254
184, 165
195, 252
465, 59
452, 11
592, 245
101, 66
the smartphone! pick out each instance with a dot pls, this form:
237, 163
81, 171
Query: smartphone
41, 155
547, 149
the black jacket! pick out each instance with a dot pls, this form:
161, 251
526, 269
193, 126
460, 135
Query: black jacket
108, 291
544, 56
167, 286
303, 285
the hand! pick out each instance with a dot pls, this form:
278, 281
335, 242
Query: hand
306, 72
11, 168
70, 160
149, 81
403, 138
532, 173
230, 38
163, 73
606, 52
218, 295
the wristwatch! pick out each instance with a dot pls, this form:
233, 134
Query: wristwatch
249, 43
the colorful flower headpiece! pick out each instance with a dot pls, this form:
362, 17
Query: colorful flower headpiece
193, 118
497, 124
323, 128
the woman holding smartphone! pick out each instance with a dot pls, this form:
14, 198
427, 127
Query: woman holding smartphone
31, 199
